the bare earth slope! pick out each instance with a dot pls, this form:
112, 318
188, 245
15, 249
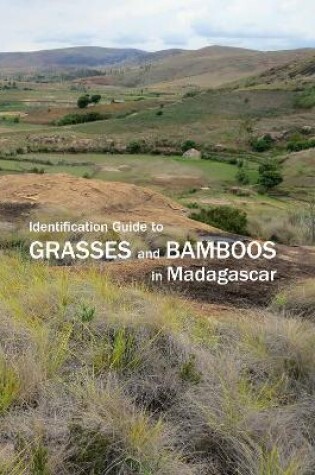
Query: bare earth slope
93, 198
291, 264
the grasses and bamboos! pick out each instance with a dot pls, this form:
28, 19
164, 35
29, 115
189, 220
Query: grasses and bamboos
96, 378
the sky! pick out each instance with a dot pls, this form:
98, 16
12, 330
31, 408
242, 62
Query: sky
28, 25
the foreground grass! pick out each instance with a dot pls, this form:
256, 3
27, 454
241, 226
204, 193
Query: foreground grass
99, 379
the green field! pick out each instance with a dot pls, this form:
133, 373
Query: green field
172, 174
210, 117
190, 182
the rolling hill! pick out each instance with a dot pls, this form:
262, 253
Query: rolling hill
211, 67
207, 67
68, 57
79, 57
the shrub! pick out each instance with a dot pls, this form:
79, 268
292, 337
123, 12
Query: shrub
39, 171
83, 101
242, 176
306, 100
262, 144
193, 205
135, 146
302, 144
269, 174
191, 94
95, 99
224, 217
188, 144
73, 119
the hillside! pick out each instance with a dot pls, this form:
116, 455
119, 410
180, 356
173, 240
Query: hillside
206, 117
206, 67
215, 65
98, 199
299, 72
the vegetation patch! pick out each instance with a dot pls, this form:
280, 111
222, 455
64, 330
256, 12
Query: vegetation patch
72, 119
306, 100
140, 383
223, 217
298, 300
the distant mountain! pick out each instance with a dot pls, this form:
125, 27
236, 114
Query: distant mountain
207, 67
80, 57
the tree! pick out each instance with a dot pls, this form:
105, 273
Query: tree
269, 174
83, 101
96, 98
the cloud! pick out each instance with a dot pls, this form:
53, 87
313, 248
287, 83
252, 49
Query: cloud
268, 24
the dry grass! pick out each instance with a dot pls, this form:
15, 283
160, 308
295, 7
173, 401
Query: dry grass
292, 228
298, 299
96, 378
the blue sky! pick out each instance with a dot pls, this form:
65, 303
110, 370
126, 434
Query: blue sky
28, 25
